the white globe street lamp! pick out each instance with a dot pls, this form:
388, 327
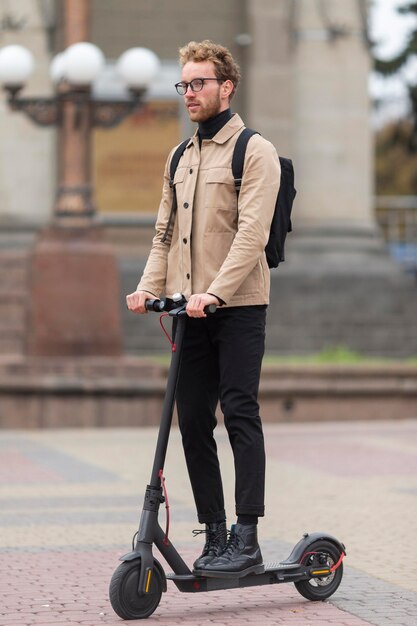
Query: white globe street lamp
82, 63
16, 65
79, 66
73, 72
138, 67
74, 110
57, 68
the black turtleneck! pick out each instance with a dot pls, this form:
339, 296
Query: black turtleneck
209, 128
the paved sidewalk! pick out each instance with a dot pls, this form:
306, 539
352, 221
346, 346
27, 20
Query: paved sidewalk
70, 502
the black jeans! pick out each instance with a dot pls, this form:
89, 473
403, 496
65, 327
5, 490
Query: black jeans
221, 360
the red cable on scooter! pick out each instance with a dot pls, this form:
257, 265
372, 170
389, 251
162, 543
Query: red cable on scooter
173, 344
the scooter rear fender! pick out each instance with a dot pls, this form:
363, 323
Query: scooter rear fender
307, 540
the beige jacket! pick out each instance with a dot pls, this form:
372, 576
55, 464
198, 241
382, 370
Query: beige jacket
213, 245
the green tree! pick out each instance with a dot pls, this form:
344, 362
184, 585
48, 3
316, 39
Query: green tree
394, 65
395, 168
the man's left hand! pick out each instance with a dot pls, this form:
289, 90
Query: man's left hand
197, 303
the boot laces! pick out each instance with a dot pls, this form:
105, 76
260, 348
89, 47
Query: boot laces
234, 543
212, 540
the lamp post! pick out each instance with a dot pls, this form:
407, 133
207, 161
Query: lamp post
74, 293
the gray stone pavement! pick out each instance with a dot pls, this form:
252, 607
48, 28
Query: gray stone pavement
70, 502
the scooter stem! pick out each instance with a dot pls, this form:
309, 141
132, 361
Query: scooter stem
168, 406
149, 519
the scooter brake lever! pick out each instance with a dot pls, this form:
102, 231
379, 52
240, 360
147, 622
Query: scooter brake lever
180, 310
210, 309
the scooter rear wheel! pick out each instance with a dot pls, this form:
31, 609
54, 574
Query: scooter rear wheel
123, 591
321, 553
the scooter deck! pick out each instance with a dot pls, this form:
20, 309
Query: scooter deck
274, 573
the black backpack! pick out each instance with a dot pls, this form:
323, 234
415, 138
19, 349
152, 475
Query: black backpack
281, 221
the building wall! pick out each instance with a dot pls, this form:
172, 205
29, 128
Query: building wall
164, 26
302, 90
27, 152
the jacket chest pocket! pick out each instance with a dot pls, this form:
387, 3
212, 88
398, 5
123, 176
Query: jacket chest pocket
220, 190
179, 178
182, 194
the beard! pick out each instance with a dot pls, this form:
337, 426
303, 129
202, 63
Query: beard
204, 112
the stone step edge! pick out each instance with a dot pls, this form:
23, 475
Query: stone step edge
113, 386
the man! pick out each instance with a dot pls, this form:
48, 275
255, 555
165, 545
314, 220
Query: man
213, 253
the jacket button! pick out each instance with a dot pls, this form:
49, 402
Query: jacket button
184, 240
188, 276
185, 205
191, 170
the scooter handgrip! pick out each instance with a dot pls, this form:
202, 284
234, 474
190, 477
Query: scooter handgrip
210, 309
155, 305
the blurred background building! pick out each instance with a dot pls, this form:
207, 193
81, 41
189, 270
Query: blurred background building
348, 280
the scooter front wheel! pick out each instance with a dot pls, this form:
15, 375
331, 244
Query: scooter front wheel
123, 591
321, 554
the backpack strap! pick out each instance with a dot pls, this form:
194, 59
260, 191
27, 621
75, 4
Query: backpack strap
238, 158
172, 169
175, 160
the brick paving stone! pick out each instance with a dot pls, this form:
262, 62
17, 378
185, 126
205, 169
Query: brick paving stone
70, 502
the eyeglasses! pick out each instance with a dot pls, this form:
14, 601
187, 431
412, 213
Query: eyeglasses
196, 84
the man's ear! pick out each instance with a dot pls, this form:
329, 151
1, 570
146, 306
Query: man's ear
227, 88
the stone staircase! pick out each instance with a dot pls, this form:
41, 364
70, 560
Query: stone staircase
351, 297
373, 312
358, 299
14, 270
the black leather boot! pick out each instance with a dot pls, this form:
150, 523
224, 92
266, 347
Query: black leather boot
241, 556
215, 544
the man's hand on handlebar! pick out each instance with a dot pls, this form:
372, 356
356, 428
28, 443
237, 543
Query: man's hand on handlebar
197, 306
136, 301
197, 303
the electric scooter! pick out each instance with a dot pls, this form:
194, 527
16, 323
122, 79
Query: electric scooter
314, 565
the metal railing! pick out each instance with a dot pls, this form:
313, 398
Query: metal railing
397, 218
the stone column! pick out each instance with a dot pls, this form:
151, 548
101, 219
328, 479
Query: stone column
74, 194
27, 153
332, 135
75, 289
269, 76
308, 93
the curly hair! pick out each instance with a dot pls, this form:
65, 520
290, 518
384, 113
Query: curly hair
225, 67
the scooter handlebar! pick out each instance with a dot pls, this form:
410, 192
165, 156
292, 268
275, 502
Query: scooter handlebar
155, 305
158, 306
